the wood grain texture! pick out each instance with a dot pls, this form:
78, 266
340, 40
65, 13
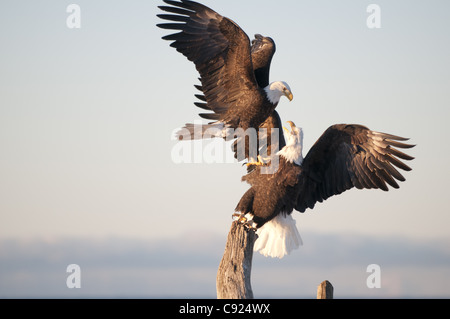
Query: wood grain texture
233, 276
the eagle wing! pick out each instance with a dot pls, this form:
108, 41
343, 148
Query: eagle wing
263, 50
348, 156
221, 52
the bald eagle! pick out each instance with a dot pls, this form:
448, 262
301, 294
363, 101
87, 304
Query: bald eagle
345, 156
233, 73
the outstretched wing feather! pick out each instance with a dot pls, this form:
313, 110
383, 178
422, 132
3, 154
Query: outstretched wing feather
348, 156
220, 50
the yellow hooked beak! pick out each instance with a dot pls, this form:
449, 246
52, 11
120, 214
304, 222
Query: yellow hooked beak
289, 95
292, 127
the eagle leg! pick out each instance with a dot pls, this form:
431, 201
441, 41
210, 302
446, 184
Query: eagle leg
239, 217
250, 225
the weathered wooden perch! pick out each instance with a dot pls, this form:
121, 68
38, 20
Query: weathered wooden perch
325, 290
233, 276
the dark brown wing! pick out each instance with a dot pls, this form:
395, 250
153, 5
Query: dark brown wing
262, 52
221, 52
347, 156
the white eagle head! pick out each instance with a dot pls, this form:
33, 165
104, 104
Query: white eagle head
292, 152
276, 90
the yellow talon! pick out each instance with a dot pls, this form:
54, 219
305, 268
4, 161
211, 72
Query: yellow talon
242, 219
260, 162
255, 164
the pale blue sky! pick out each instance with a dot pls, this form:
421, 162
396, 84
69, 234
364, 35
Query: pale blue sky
86, 116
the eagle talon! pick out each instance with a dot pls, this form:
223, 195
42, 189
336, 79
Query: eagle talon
254, 164
235, 216
249, 226
260, 162
242, 219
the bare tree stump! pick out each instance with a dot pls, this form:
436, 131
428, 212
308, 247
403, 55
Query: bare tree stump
233, 276
325, 290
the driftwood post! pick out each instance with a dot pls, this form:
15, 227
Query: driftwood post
233, 276
325, 290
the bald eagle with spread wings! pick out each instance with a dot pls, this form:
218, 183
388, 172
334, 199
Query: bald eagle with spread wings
234, 74
344, 157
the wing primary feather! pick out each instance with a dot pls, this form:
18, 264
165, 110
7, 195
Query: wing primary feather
171, 26
173, 17
210, 116
399, 154
393, 172
182, 4
391, 137
203, 106
388, 178
361, 175
176, 10
399, 144
398, 163
200, 97
172, 37
378, 179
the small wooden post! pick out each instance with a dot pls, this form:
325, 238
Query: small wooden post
233, 276
325, 290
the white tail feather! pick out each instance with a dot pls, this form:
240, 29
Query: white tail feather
278, 237
198, 130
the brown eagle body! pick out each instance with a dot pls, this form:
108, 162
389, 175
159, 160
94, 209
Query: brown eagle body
271, 194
